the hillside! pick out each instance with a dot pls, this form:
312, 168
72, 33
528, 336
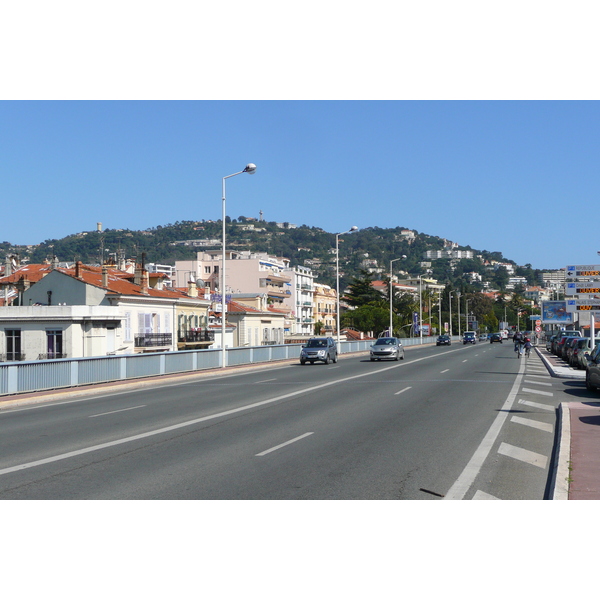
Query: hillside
372, 247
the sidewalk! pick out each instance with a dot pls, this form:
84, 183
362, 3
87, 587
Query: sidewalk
577, 474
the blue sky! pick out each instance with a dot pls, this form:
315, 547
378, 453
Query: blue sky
496, 175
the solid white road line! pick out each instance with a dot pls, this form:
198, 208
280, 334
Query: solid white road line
225, 413
479, 495
112, 412
532, 423
537, 405
285, 444
467, 477
404, 390
533, 458
539, 392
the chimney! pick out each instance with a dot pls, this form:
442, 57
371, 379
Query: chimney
54, 263
7, 266
104, 276
144, 283
78, 265
192, 289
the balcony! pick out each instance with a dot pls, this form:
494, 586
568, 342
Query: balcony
191, 336
11, 356
153, 340
51, 356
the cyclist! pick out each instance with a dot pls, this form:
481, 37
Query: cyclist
519, 341
527, 346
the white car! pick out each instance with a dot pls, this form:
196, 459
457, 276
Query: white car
387, 347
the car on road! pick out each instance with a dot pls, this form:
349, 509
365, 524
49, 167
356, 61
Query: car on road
483, 337
319, 349
387, 348
495, 337
469, 338
443, 340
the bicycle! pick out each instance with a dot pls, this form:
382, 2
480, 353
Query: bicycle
519, 349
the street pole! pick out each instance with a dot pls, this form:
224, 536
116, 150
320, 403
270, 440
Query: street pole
250, 168
337, 277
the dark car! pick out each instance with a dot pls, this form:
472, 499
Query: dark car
559, 340
443, 340
592, 370
322, 349
495, 337
565, 343
469, 338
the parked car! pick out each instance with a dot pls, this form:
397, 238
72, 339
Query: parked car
321, 349
582, 346
560, 340
567, 351
592, 371
495, 337
563, 346
549, 342
387, 347
469, 338
443, 340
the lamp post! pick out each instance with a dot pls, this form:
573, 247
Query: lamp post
458, 295
250, 168
391, 292
450, 313
420, 310
337, 275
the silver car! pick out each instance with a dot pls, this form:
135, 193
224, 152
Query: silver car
387, 347
322, 349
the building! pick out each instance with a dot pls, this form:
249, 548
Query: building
94, 311
301, 301
325, 307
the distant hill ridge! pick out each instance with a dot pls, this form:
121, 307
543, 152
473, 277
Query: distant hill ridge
370, 249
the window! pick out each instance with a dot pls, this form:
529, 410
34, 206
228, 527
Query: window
128, 337
54, 343
13, 344
207, 270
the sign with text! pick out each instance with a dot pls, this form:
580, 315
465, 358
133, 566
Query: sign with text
583, 271
580, 304
582, 287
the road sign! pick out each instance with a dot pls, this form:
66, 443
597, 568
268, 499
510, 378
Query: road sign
580, 304
583, 271
582, 287
538, 329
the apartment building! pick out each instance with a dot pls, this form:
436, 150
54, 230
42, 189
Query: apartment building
325, 307
301, 301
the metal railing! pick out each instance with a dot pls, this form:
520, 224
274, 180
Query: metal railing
146, 340
32, 376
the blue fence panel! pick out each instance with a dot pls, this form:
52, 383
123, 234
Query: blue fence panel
178, 362
44, 375
98, 370
3, 379
143, 365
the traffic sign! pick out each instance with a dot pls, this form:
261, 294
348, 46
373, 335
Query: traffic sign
583, 271
538, 329
580, 304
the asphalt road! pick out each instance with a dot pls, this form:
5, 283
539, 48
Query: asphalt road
457, 422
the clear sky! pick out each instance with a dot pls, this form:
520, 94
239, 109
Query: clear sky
503, 176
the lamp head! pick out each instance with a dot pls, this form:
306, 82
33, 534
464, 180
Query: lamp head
250, 168
353, 228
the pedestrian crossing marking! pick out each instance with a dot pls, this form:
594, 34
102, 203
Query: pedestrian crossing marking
532, 458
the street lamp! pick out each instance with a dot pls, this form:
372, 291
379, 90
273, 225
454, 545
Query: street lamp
250, 168
458, 295
337, 274
391, 292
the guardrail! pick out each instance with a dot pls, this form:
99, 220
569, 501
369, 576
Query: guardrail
35, 376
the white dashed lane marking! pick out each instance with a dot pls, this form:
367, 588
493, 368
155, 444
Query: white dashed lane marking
532, 458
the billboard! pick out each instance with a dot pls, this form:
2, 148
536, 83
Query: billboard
556, 312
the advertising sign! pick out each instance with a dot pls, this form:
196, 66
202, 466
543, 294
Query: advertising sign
556, 312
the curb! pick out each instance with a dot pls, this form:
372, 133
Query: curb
561, 475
